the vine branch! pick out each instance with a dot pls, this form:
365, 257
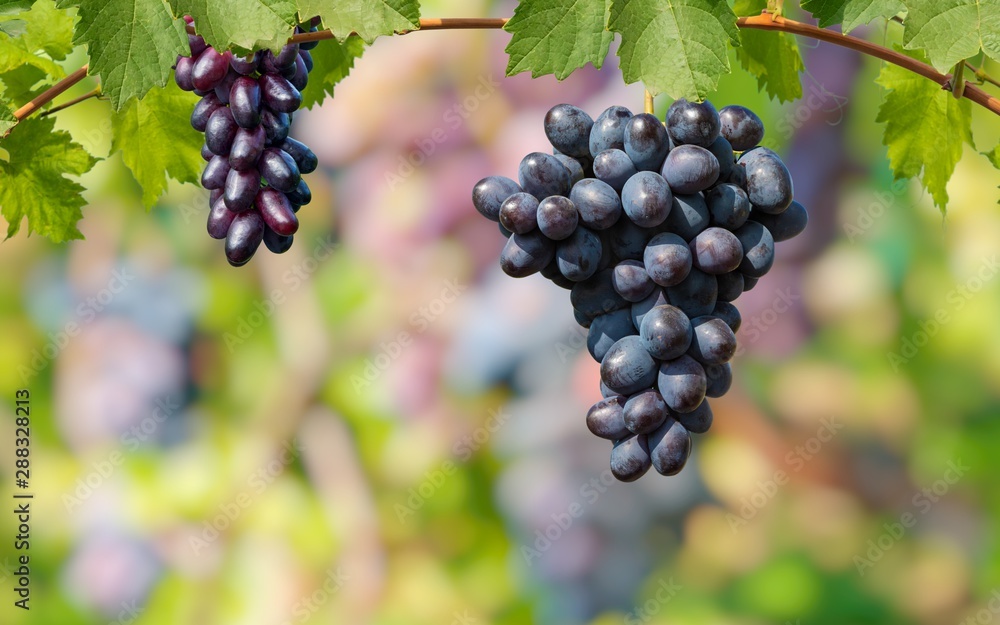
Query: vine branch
765, 21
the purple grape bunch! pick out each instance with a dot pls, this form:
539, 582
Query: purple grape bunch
655, 229
254, 169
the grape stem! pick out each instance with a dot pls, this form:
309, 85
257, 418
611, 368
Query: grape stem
958, 80
764, 21
648, 103
55, 109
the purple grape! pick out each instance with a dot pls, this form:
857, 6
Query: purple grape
606, 420
557, 217
277, 243
216, 171
647, 199
197, 44
245, 66
300, 195
526, 254
306, 56
786, 224
627, 367
275, 126
277, 212
244, 237
489, 194
730, 286
596, 295
244, 100
646, 142
630, 280
644, 412
609, 130
614, 167
300, 78
669, 447
692, 123
203, 110
720, 379
225, 87
543, 175
630, 458
696, 295
182, 73
728, 206
665, 332
304, 158
667, 259
241, 189
278, 168
248, 145
713, 342
730, 314
699, 420
682, 384
579, 255
220, 131
599, 205
206, 153
568, 130
606, 330
758, 250
741, 127
688, 216
210, 68
716, 251
278, 94
519, 213
219, 219
690, 169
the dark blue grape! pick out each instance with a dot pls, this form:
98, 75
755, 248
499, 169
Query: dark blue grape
716, 251
667, 259
682, 384
669, 447
627, 240
728, 206
785, 225
278, 168
758, 250
690, 169
543, 175
248, 145
609, 130
644, 412
300, 79
631, 281
568, 129
730, 286
728, 313
646, 142
613, 167
599, 205
596, 295
304, 158
749, 283
647, 199
277, 243
557, 217
741, 127
551, 273
241, 189
640, 309
278, 94
606, 330
665, 332
576, 173
696, 295
525, 254
489, 194
630, 458
627, 367
605, 419
692, 123
699, 420
723, 153
713, 342
720, 379
203, 110
306, 57
244, 237
518, 213
301, 195
579, 255
769, 185
688, 216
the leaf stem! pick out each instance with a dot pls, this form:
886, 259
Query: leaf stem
958, 80
65, 105
648, 103
981, 75
51, 93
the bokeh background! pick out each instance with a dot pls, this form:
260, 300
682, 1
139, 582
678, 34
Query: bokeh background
380, 427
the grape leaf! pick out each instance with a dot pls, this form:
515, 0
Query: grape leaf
558, 36
952, 30
13, 28
48, 29
14, 6
156, 139
367, 18
925, 127
132, 44
851, 13
33, 184
675, 46
22, 84
7, 120
332, 62
772, 57
241, 24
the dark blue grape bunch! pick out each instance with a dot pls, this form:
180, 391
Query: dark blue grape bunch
254, 169
655, 229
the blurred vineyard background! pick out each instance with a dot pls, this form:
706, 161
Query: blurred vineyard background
379, 427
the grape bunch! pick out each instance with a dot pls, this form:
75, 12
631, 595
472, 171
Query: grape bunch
655, 229
254, 169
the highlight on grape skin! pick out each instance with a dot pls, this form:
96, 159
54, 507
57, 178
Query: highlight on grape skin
655, 228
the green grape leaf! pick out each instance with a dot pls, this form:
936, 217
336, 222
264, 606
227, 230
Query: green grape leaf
558, 36
770, 56
925, 127
676, 47
366, 18
241, 24
132, 44
994, 156
953, 30
14, 6
13, 28
48, 29
332, 62
7, 120
22, 84
157, 141
33, 183
851, 13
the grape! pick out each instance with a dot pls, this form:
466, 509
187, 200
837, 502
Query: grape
576, 173
669, 447
605, 418
301, 195
278, 168
699, 420
206, 153
197, 44
519, 212
551, 273
244, 100
713, 342
758, 250
220, 131
741, 127
729, 314
682, 384
606, 330
640, 309
749, 283
630, 280
248, 145
209, 69
244, 237
646, 142
219, 219
688, 216
203, 110
644, 412
769, 185
278, 94
568, 129
245, 66
690, 169
182, 73
627, 240
666, 332
582, 320
306, 57
728, 206
598, 203
730, 286
579, 255
300, 78
716, 251
646, 199
543, 175
596, 295
277, 211
627, 367
557, 217
214, 176
489, 194
696, 295
720, 379
613, 167
630, 458
224, 89
276, 243
667, 259
609, 130
241, 189
738, 176
723, 153
692, 123
525, 254
785, 225
275, 125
